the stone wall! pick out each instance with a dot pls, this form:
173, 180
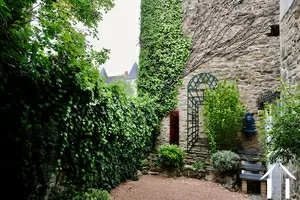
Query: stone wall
253, 60
295, 184
290, 64
164, 136
290, 44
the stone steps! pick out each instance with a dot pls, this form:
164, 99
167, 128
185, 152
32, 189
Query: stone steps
200, 149
250, 151
251, 161
200, 145
252, 177
201, 142
199, 156
251, 158
253, 167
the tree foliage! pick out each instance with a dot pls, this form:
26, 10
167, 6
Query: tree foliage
223, 116
128, 85
58, 117
281, 128
164, 52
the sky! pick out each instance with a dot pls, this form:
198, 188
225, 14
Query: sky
119, 31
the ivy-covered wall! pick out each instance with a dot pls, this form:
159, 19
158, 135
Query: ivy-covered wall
106, 137
91, 139
164, 51
57, 117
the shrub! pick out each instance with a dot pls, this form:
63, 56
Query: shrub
171, 155
223, 114
59, 193
280, 126
199, 165
95, 194
224, 161
70, 193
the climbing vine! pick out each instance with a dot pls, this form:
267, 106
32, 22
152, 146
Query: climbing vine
164, 51
102, 135
58, 118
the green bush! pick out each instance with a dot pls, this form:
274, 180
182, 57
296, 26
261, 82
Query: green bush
70, 193
280, 126
95, 194
67, 193
199, 165
223, 115
224, 161
171, 155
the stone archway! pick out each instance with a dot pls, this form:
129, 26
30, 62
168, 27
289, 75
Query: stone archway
196, 94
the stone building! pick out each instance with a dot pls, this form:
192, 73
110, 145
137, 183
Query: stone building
253, 42
232, 40
290, 40
129, 79
290, 60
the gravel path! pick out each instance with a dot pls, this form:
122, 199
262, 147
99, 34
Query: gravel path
162, 188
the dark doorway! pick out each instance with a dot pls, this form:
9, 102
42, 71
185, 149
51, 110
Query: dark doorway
174, 127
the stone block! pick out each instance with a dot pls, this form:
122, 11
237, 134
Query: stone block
244, 186
263, 188
289, 37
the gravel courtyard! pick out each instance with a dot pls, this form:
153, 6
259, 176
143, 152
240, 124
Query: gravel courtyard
161, 188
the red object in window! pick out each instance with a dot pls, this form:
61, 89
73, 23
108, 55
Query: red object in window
174, 127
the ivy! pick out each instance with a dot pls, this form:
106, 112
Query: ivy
59, 118
164, 51
103, 136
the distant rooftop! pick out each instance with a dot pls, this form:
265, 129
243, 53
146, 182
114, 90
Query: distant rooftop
133, 74
103, 73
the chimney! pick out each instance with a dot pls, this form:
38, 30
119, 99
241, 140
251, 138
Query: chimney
126, 74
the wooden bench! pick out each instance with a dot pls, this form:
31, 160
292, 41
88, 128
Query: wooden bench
253, 177
252, 169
